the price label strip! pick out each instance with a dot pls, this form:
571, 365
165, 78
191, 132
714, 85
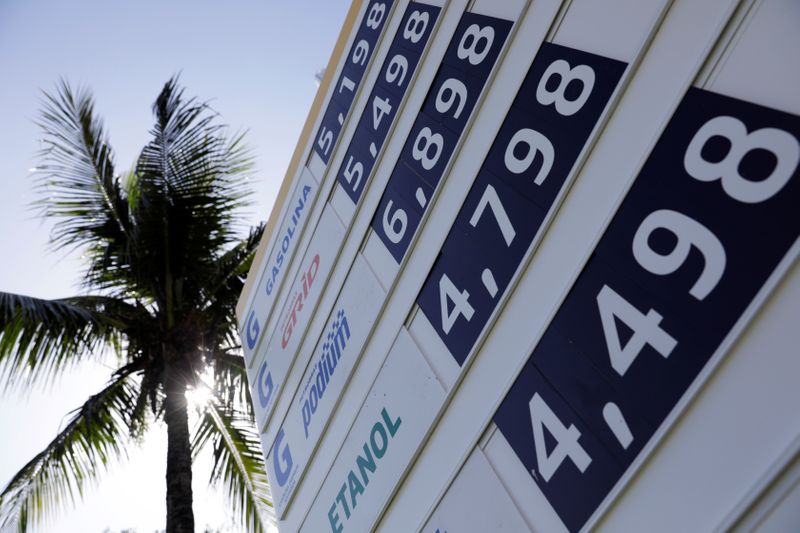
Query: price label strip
550, 121
709, 218
268, 375
395, 415
274, 268
466, 66
394, 79
369, 32
325, 378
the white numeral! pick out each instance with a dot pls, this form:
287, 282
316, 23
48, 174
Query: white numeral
399, 220
781, 144
353, 172
491, 199
375, 16
560, 68
536, 143
347, 83
380, 107
415, 27
645, 329
449, 293
360, 52
448, 92
475, 38
420, 150
688, 232
325, 140
567, 444
398, 67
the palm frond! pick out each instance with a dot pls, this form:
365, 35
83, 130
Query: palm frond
233, 266
191, 160
77, 173
79, 454
231, 383
238, 463
39, 338
191, 185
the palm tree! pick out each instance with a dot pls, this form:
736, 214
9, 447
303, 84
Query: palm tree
165, 264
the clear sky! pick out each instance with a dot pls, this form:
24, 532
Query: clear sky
255, 59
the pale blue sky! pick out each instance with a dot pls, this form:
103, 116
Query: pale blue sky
256, 60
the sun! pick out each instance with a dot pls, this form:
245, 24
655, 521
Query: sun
201, 394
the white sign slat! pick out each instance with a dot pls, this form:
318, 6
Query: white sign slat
273, 364
392, 421
476, 501
275, 267
322, 384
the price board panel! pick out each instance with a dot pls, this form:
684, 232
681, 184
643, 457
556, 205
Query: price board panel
704, 226
412, 25
465, 69
527, 166
396, 75
265, 292
358, 59
273, 365
324, 380
521, 279
397, 412
417, 25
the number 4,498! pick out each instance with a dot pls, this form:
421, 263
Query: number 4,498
689, 234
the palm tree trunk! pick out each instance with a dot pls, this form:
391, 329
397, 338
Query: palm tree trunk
180, 518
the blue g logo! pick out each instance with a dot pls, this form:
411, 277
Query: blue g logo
281, 474
265, 387
253, 329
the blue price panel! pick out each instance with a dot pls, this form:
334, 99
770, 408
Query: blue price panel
708, 219
353, 71
468, 61
396, 74
557, 107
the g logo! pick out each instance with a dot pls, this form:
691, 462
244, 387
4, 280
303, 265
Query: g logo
265, 387
281, 474
253, 329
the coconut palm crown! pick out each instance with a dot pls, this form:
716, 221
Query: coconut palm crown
166, 253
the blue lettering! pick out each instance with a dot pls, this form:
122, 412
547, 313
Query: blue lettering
392, 426
287, 238
265, 387
366, 464
269, 287
282, 474
374, 448
313, 397
298, 210
306, 417
326, 365
378, 429
356, 488
340, 499
253, 329
333, 517
322, 379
